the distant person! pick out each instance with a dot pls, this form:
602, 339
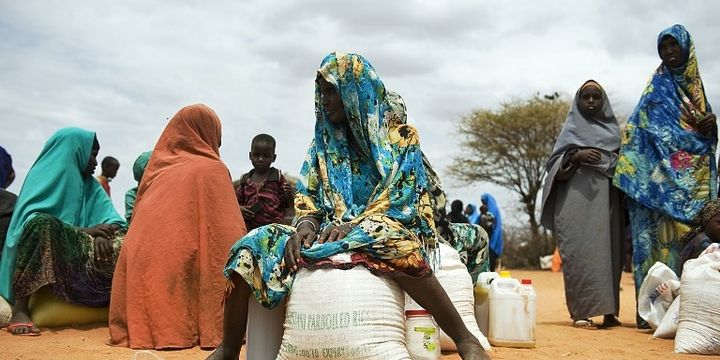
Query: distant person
667, 160
263, 193
584, 210
138, 170
7, 199
167, 292
64, 231
472, 213
456, 213
494, 230
109, 168
486, 220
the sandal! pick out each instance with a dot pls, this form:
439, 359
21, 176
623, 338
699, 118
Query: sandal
584, 324
34, 331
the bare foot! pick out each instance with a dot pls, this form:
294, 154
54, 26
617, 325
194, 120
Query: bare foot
471, 350
21, 317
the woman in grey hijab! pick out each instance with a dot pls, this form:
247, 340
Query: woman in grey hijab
584, 210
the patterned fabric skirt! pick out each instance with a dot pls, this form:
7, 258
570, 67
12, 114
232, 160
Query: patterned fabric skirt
471, 241
656, 237
51, 252
259, 258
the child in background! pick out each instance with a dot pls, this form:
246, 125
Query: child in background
704, 235
110, 166
263, 193
487, 219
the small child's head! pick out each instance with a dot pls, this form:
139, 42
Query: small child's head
262, 152
110, 166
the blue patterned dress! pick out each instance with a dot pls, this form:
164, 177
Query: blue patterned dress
666, 166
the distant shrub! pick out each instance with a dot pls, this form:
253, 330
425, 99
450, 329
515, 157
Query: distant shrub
522, 251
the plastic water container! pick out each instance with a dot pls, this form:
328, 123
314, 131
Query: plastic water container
512, 313
264, 330
422, 335
482, 302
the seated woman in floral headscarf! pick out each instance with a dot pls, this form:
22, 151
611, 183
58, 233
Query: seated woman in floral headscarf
363, 189
64, 230
667, 156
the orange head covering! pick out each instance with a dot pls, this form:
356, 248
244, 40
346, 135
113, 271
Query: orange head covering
194, 131
168, 284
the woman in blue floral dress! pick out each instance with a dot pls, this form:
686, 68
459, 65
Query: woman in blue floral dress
667, 156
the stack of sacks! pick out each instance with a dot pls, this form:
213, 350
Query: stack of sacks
344, 314
699, 317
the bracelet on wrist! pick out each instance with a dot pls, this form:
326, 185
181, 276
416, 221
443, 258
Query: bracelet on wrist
306, 220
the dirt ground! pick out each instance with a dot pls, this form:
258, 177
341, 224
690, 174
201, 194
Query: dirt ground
556, 338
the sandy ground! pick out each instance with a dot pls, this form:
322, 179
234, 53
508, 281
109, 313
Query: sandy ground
556, 338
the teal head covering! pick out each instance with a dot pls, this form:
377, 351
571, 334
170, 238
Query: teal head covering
665, 163
56, 186
140, 164
138, 171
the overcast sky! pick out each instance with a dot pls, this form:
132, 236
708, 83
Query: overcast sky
123, 68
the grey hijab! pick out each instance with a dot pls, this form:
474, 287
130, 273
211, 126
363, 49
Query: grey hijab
600, 131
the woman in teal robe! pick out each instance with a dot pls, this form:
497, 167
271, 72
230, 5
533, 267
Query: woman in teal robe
64, 230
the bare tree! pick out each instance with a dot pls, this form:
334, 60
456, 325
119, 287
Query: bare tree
509, 147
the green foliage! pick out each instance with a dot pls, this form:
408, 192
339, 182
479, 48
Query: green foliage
509, 147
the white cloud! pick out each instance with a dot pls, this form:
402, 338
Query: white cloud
123, 68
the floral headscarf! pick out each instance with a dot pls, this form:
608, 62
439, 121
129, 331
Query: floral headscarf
398, 200
665, 164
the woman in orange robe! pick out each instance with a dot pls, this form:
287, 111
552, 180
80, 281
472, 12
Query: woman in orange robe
168, 285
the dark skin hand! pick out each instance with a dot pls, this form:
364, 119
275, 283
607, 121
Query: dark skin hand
247, 212
105, 230
103, 246
287, 191
334, 233
588, 156
707, 125
306, 237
